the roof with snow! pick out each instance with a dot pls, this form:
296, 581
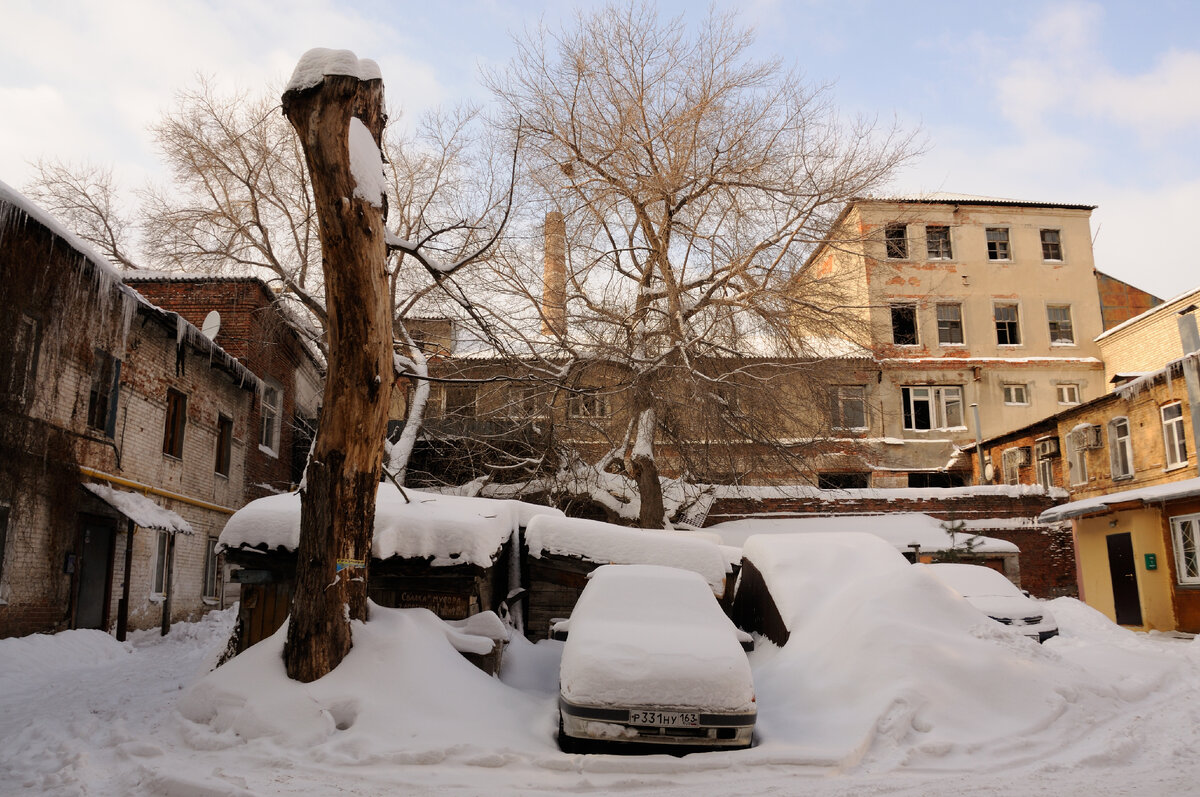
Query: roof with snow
901, 530
1100, 504
140, 509
445, 529
606, 543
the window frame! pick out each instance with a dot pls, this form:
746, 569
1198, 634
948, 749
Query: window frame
270, 414
938, 398
22, 375
1181, 548
962, 336
104, 392
1119, 445
939, 254
1077, 470
893, 244
994, 252
212, 566
916, 327
1045, 472
1061, 387
1069, 325
460, 407
1177, 454
159, 577
1012, 326
1009, 393
839, 397
1056, 244
175, 423
589, 405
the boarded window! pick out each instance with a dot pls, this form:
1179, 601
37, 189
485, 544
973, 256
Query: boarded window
175, 423
224, 445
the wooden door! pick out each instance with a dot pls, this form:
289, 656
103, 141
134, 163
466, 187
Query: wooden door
1126, 600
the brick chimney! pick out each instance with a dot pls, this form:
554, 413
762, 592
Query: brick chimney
554, 276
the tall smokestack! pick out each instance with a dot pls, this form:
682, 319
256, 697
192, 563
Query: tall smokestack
554, 276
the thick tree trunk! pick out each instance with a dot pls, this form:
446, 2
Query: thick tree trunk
338, 501
643, 464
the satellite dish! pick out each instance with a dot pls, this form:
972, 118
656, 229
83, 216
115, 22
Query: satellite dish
989, 472
212, 325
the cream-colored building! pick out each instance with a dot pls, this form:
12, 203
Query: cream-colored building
967, 301
1146, 341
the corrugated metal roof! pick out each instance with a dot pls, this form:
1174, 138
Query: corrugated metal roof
947, 198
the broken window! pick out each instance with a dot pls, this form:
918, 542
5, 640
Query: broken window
895, 237
1051, 245
1061, 330
997, 243
843, 481
848, 406
1008, 326
950, 326
937, 243
904, 324
932, 407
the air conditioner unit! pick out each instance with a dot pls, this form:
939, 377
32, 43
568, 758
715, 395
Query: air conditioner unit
1046, 449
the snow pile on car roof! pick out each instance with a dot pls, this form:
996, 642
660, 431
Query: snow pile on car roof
645, 635
901, 529
449, 529
886, 663
595, 541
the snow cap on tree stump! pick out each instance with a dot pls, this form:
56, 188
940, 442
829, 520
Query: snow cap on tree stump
318, 62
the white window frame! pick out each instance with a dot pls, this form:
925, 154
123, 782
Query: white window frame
1185, 539
1077, 471
839, 397
940, 399
1174, 436
1010, 465
589, 405
162, 560
1045, 472
1120, 448
270, 415
1062, 389
1015, 394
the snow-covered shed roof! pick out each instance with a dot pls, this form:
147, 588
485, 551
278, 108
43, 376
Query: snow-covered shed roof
141, 510
1098, 505
900, 529
606, 543
447, 529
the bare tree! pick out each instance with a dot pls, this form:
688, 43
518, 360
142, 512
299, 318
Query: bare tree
85, 198
693, 181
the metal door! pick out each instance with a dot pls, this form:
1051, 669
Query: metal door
1126, 600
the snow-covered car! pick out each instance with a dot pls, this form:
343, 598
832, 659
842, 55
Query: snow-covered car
997, 597
651, 660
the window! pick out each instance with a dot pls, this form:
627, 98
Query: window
1051, 245
1062, 333
211, 568
895, 238
997, 243
1173, 439
1120, 448
932, 407
1016, 394
18, 382
936, 479
1045, 472
950, 326
102, 397
176, 421
843, 481
848, 406
460, 400
1008, 325
904, 324
1011, 461
1067, 394
1185, 533
588, 405
1076, 459
224, 444
937, 243
4, 511
162, 562
268, 429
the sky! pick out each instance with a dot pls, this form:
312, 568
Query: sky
1074, 102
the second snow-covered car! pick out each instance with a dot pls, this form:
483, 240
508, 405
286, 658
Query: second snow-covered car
650, 659
997, 597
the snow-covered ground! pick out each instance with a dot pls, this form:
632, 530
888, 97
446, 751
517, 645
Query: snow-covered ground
876, 702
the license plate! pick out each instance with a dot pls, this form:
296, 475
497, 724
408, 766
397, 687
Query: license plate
666, 719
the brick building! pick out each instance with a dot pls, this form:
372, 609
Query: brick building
254, 328
101, 389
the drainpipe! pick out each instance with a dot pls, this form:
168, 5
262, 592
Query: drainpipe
1190, 338
978, 443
